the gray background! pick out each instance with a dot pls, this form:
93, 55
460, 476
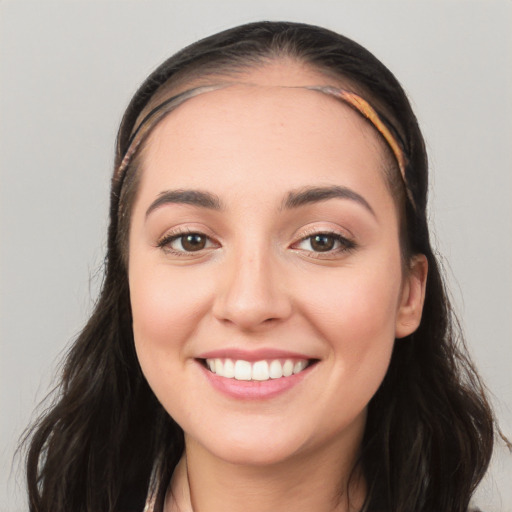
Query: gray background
68, 69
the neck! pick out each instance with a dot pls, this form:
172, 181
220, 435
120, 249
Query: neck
204, 483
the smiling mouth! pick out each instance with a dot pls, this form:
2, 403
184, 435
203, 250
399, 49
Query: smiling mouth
263, 370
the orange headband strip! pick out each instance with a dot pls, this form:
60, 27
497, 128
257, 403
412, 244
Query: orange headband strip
364, 108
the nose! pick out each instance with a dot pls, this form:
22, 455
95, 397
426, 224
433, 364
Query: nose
251, 292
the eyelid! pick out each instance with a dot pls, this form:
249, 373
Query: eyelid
318, 229
348, 243
179, 231
345, 239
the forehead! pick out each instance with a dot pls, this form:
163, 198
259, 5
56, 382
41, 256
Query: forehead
251, 145
246, 119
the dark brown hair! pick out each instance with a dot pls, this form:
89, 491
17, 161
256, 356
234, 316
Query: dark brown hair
429, 432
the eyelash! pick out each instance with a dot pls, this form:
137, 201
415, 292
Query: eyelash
166, 240
345, 244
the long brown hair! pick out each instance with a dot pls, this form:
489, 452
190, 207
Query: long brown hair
429, 432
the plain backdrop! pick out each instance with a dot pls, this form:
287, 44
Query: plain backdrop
68, 69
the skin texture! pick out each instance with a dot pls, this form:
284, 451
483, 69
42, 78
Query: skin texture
259, 284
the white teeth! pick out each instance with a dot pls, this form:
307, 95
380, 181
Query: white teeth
242, 370
260, 371
229, 369
276, 370
257, 371
299, 366
287, 368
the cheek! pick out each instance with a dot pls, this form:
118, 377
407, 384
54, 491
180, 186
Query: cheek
355, 313
355, 304
166, 306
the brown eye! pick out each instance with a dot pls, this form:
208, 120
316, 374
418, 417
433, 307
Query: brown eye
184, 243
192, 242
329, 243
322, 242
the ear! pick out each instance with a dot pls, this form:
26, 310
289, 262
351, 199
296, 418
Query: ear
413, 296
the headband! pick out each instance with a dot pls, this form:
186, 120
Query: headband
379, 122
351, 99
156, 115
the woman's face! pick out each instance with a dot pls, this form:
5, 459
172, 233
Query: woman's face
265, 270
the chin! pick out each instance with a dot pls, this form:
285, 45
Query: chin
250, 455
250, 448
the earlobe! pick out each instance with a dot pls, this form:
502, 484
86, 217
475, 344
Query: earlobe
413, 296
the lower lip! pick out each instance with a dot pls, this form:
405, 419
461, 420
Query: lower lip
251, 389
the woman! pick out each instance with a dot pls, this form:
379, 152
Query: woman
273, 330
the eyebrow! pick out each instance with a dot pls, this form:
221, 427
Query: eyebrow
294, 199
182, 196
309, 195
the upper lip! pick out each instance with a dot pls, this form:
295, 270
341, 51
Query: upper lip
252, 355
